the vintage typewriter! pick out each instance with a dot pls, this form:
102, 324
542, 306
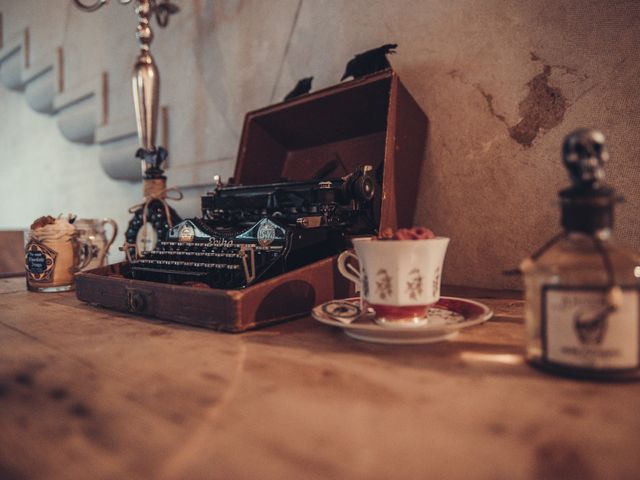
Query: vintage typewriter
250, 233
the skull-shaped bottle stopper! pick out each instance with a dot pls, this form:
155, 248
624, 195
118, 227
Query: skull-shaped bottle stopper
584, 154
587, 205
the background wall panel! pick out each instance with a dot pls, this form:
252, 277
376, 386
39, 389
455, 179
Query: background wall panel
501, 81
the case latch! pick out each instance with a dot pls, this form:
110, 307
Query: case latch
139, 301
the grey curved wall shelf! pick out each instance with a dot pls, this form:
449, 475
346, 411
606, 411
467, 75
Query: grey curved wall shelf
81, 111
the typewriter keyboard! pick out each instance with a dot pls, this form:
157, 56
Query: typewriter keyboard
223, 265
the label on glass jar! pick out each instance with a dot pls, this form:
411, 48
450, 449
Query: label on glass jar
580, 330
39, 261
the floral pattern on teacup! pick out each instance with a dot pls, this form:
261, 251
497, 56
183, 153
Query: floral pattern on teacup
436, 283
414, 284
383, 284
365, 283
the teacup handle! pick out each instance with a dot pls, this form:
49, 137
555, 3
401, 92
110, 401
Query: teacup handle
114, 227
348, 270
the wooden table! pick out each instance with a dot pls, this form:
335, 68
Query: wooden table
86, 393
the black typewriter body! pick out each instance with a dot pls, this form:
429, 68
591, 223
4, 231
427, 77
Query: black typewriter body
250, 233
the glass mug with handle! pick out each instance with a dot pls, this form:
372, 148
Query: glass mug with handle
399, 279
94, 236
53, 254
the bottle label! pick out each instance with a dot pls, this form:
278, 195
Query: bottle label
580, 330
146, 239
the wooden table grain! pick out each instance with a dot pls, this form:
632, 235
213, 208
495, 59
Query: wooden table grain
88, 393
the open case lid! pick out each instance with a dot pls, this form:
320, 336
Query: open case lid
372, 120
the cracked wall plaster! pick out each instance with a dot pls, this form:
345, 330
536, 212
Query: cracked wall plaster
542, 108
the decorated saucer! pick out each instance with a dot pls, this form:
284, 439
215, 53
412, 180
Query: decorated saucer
444, 321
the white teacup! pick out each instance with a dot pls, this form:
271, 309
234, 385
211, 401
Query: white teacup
399, 279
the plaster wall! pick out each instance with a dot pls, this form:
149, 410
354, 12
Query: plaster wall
501, 81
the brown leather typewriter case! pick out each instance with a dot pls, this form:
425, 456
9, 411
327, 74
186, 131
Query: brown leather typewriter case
372, 120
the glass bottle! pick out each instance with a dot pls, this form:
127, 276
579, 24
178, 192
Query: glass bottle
153, 218
581, 293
